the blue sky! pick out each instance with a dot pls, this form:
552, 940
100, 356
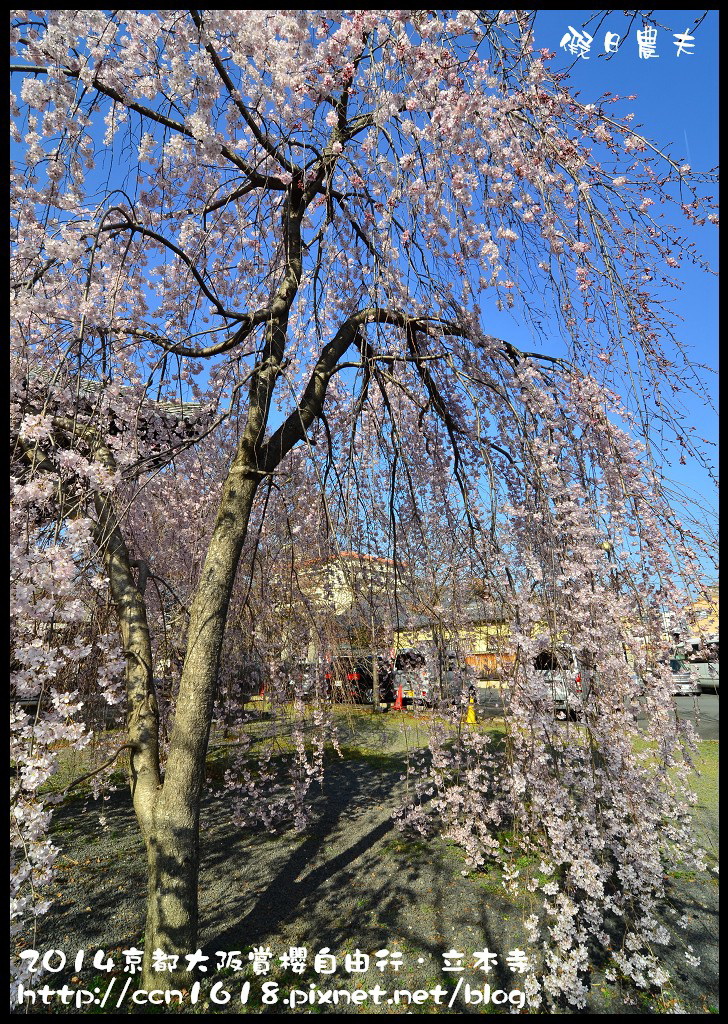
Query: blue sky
677, 107
677, 102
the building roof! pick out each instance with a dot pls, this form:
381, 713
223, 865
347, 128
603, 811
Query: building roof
351, 556
473, 612
87, 386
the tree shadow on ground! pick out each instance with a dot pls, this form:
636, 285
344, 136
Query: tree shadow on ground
351, 881
354, 882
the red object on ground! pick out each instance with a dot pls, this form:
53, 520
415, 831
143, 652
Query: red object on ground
398, 704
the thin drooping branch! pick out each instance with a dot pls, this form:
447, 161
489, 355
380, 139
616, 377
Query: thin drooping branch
97, 771
268, 181
271, 148
309, 406
135, 228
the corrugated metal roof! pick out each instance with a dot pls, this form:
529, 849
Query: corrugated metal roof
169, 407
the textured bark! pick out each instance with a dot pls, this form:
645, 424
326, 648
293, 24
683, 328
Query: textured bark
173, 862
143, 713
173, 854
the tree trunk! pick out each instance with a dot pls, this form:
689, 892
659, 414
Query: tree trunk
173, 861
173, 841
143, 715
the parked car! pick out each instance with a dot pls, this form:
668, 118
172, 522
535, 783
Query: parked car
359, 683
350, 680
708, 673
410, 673
684, 679
426, 685
566, 679
449, 681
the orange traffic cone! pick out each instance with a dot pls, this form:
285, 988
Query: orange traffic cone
470, 718
398, 704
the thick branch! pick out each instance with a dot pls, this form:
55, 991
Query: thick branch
134, 227
293, 430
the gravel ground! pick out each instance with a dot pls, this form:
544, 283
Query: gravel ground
352, 881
